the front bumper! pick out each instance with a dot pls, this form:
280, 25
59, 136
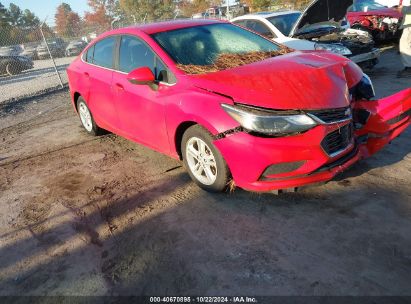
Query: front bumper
249, 156
370, 56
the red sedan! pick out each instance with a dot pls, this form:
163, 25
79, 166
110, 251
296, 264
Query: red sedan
233, 105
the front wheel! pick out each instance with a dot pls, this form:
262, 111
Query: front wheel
203, 161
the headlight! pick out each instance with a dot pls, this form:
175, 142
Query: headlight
335, 48
267, 122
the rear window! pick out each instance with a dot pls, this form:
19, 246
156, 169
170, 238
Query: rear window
90, 54
103, 52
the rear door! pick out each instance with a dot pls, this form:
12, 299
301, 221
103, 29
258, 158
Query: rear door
99, 75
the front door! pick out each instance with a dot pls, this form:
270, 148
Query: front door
141, 108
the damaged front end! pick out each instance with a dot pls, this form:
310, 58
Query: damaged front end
324, 22
382, 27
378, 122
293, 148
360, 43
299, 118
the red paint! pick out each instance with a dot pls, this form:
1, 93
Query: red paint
141, 76
369, 19
299, 81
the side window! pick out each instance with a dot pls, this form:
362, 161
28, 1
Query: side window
161, 71
241, 23
103, 52
260, 28
90, 54
135, 54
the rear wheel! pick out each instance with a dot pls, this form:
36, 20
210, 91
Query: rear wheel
203, 161
12, 69
87, 119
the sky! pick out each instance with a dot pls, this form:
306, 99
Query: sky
47, 8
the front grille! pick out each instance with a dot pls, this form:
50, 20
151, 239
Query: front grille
338, 140
339, 162
332, 115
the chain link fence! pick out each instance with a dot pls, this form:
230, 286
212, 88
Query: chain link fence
34, 60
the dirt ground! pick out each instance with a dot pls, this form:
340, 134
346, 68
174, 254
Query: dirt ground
104, 216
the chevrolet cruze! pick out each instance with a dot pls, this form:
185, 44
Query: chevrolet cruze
234, 106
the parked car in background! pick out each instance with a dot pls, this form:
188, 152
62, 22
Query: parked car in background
203, 15
382, 22
236, 107
315, 30
14, 64
392, 3
30, 50
11, 50
75, 47
57, 48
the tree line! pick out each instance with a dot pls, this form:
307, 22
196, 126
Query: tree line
16, 25
103, 13
19, 26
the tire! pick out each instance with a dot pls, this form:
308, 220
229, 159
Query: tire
12, 69
213, 173
86, 118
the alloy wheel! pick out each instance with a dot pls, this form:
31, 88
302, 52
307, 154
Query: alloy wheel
201, 161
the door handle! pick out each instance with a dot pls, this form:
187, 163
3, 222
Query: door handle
86, 74
119, 86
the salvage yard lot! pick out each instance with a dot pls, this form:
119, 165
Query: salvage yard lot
41, 78
104, 216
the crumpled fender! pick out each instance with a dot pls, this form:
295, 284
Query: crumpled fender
389, 117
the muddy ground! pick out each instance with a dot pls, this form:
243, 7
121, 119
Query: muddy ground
104, 216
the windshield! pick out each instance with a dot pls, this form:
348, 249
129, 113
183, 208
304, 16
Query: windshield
203, 45
365, 5
285, 23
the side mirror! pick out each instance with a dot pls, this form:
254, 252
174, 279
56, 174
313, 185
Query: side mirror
141, 76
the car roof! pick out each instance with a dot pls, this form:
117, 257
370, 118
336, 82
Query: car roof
269, 14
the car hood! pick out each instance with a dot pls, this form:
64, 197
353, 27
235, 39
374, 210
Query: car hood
320, 11
299, 80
